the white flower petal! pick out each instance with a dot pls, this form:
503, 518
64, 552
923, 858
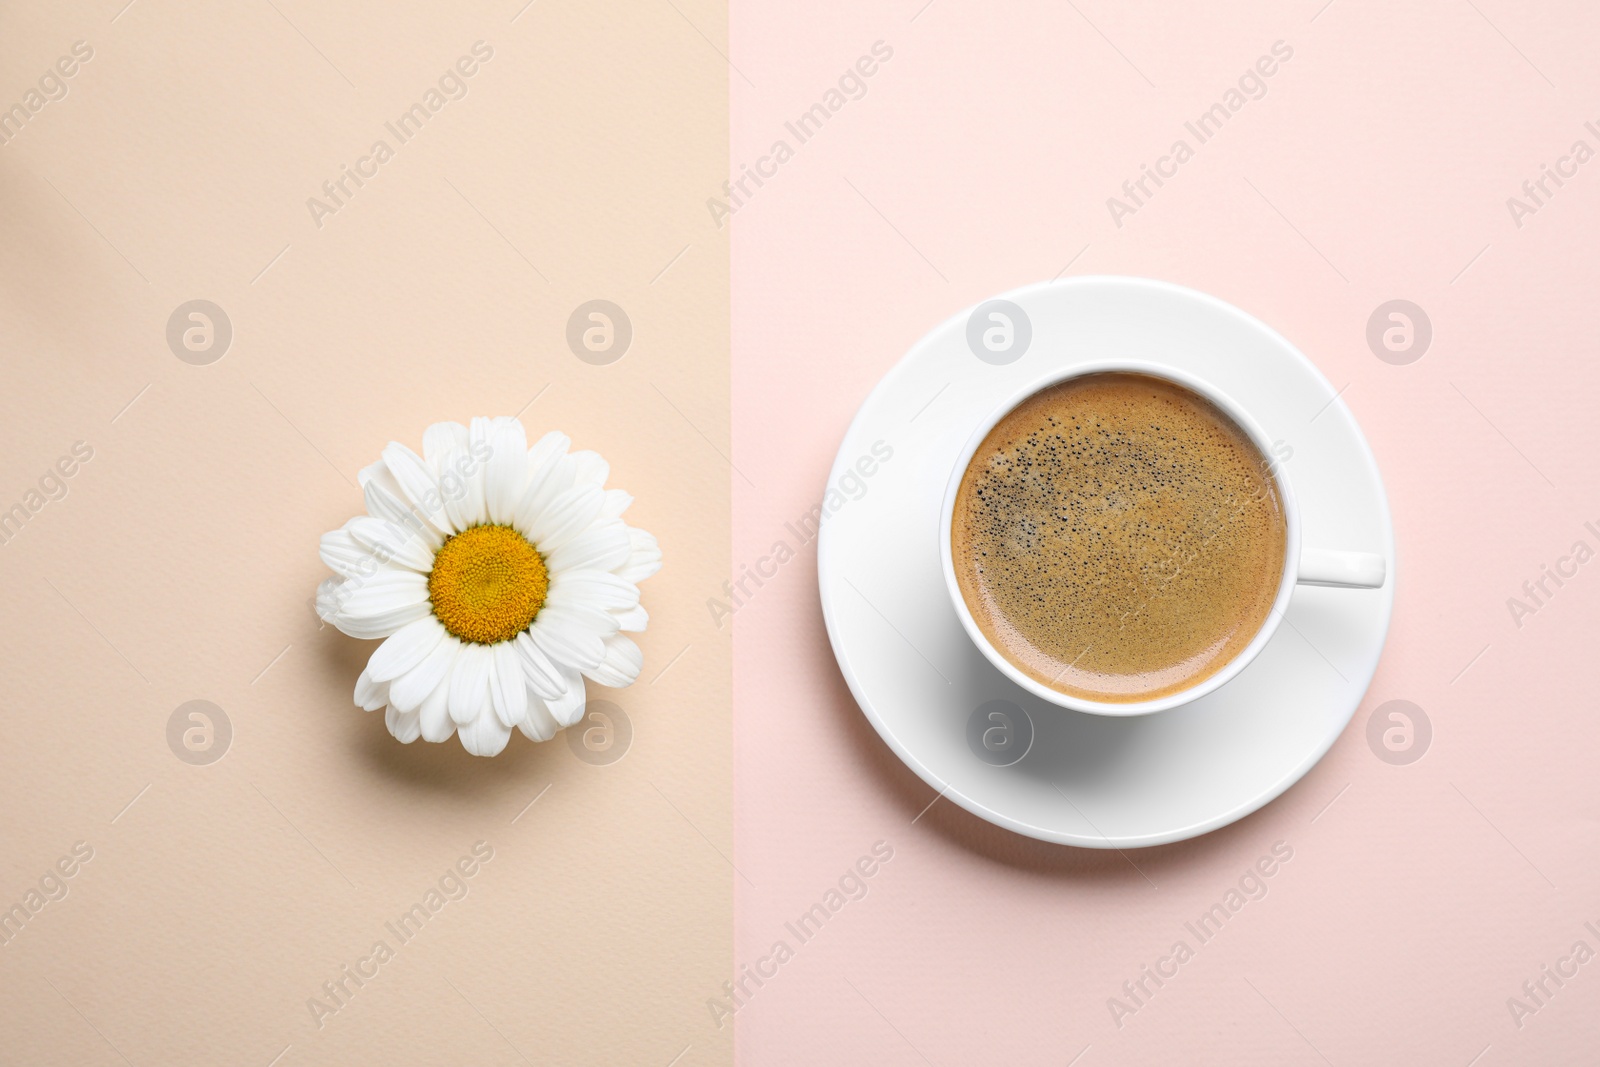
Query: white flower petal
389, 542
621, 665
567, 516
595, 589
376, 606
386, 588
343, 555
485, 736
508, 686
543, 676
545, 452
370, 695
405, 725
380, 604
566, 641
376, 472
506, 473
617, 501
377, 627
442, 443
461, 478
568, 707
590, 468
644, 556
539, 725
469, 684
414, 687
419, 484
385, 501
589, 619
408, 647
434, 714
633, 620
603, 547
549, 475
330, 595
465, 501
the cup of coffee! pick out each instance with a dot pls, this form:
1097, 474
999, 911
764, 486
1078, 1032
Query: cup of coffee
1119, 539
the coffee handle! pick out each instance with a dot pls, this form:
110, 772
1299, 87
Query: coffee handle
1347, 570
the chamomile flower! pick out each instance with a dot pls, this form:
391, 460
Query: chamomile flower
499, 576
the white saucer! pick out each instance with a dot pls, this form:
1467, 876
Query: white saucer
1075, 778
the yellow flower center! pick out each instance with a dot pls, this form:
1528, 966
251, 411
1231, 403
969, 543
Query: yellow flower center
487, 584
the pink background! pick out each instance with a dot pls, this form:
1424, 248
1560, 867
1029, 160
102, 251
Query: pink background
1376, 167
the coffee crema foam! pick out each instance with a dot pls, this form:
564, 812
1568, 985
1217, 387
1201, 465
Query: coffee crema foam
1118, 537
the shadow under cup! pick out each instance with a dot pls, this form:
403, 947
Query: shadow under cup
1116, 538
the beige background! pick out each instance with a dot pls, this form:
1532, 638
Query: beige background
181, 562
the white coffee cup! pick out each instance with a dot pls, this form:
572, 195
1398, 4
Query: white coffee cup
1301, 565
